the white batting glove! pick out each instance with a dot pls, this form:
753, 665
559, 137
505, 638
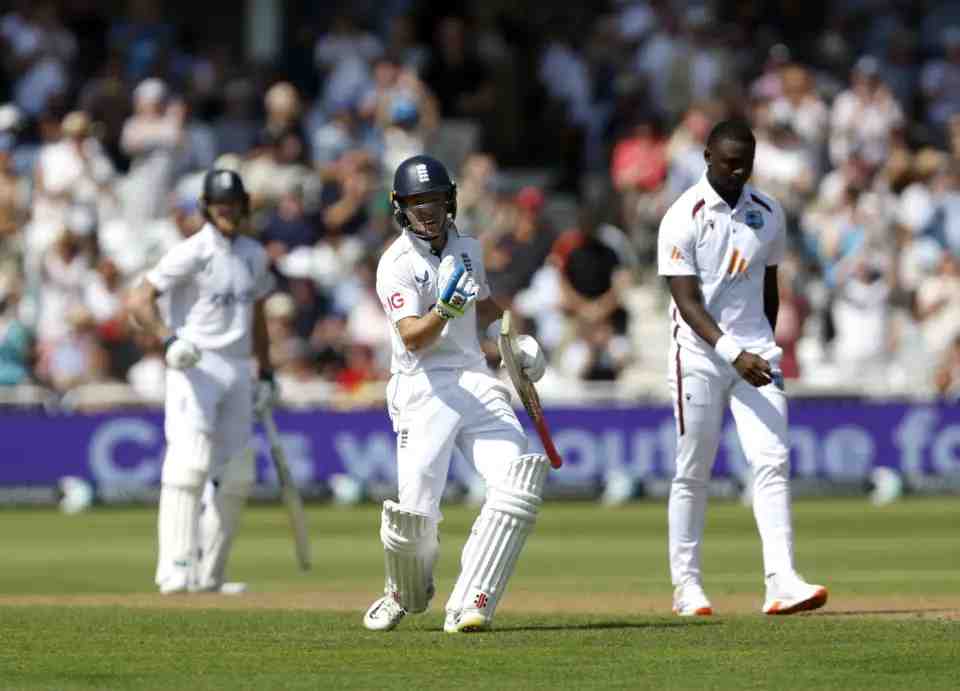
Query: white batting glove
180, 354
265, 394
531, 360
456, 289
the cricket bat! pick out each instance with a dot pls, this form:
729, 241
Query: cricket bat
509, 351
288, 490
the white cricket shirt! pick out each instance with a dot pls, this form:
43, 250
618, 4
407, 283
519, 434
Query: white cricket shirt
729, 251
210, 284
407, 287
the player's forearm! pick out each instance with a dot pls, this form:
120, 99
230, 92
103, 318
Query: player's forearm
418, 333
143, 308
488, 311
261, 338
695, 314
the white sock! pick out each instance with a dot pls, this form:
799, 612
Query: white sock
771, 508
685, 517
177, 526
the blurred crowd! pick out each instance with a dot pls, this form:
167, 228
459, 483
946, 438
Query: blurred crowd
569, 133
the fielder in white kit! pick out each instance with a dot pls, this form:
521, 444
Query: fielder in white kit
214, 283
432, 284
719, 245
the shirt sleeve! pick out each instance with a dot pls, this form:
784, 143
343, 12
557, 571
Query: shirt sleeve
779, 247
397, 292
265, 280
178, 264
676, 245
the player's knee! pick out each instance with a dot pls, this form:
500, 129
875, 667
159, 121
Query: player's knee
187, 461
771, 466
690, 482
519, 493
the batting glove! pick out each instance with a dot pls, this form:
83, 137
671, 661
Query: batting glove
531, 360
265, 393
456, 289
180, 354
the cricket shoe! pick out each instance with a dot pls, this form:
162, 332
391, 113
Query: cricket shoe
465, 621
789, 593
176, 581
384, 614
227, 588
690, 601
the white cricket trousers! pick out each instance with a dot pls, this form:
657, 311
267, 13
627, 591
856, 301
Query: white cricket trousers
434, 411
703, 386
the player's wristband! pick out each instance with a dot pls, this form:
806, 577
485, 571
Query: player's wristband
727, 348
169, 342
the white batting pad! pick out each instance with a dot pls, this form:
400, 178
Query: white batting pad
220, 509
182, 479
499, 534
177, 527
410, 549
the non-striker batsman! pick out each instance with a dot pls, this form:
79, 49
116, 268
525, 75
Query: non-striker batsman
214, 284
719, 246
432, 284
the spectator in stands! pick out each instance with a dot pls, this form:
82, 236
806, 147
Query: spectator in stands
77, 357
861, 314
14, 200
66, 271
288, 226
72, 170
594, 279
937, 305
940, 82
16, 339
462, 82
638, 169
151, 137
236, 129
866, 117
513, 258
801, 105
947, 377
598, 354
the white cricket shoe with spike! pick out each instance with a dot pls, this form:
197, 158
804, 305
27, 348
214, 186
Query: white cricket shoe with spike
690, 601
465, 621
788, 593
384, 614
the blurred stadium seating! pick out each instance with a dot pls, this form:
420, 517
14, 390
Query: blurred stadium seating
564, 126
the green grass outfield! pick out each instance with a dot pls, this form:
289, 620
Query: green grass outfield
588, 607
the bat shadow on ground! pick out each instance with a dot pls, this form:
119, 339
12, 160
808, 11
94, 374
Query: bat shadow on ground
601, 625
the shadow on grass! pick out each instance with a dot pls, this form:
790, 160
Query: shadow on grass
601, 625
905, 612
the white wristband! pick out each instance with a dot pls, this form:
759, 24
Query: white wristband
493, 330
727, 348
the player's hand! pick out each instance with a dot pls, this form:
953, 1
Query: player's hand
180, 354
456, 289
530, 358
265, 394
754, 369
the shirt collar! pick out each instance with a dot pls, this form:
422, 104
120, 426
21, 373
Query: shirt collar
424, 248
219, 239
712, 199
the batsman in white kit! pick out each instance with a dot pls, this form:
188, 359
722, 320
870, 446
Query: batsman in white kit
719, 246
432, 284
213, 284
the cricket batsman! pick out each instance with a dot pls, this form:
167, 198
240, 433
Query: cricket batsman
214, 284
432, 284
719, 246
